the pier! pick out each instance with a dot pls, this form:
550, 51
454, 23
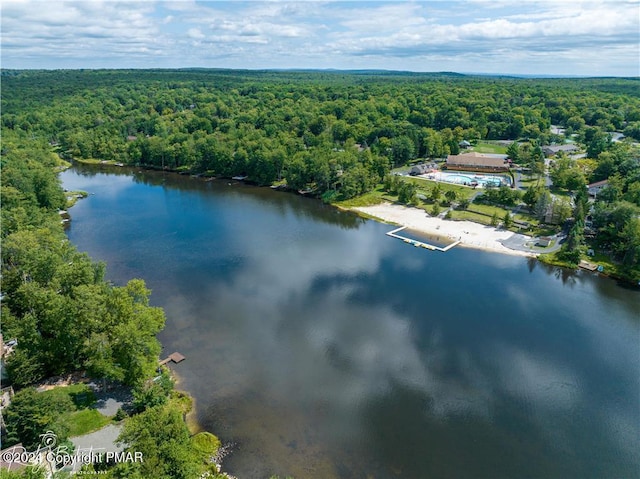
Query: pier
175, 357
420, 244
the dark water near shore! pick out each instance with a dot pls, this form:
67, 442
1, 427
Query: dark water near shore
324, 348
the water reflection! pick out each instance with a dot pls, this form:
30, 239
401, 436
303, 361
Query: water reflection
119, 177
338, 352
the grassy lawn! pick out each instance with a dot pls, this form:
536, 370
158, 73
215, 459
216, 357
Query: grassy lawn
534, 181
374, 197
561, 192
378, 195
543, 230
487, 209
425, 187
84, 421
524, 217
93, 161
553, 260
400, 169
81, 394
483, 213
483, 147
460, 215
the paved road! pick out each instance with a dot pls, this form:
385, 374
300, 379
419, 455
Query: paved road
108, 403
101, 440
520, 242
98, 442
115, 397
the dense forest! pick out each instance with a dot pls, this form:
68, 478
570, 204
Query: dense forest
64, 317
335, 133
56, 300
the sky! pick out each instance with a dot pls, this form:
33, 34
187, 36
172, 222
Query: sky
542, 37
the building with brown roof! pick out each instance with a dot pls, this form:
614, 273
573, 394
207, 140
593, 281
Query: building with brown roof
478, 162
553, 150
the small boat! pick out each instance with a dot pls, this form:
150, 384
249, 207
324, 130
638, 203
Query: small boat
239, 178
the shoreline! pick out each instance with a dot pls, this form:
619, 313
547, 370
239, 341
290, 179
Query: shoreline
468, 233
190, 418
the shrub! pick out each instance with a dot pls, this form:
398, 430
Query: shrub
120, 415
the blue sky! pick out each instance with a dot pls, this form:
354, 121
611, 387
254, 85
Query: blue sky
599, 38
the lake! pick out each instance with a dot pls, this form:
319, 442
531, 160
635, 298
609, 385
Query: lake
322, 348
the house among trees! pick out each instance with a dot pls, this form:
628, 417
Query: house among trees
464, 144
553, 150
595, 188
473, 161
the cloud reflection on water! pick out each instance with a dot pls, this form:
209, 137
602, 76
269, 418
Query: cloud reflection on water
313, 345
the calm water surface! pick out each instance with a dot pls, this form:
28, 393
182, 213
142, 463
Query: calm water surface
323, 348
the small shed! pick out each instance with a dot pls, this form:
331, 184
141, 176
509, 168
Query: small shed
544, 241
420, 169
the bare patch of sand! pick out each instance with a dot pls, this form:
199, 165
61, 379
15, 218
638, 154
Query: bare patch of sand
473, 235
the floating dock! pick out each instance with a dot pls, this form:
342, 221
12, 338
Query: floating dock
175, 357
420, 244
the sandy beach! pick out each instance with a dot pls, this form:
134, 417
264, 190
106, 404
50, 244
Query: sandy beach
472, 235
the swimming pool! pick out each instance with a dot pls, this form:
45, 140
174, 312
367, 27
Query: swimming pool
470, 179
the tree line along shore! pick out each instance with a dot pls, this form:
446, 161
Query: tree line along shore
339, 136
69, 335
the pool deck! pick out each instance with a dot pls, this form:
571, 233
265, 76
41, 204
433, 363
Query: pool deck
479, 178
420, 244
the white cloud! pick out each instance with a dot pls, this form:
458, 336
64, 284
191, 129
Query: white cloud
195, 33
80, 30
528, 36
599, 25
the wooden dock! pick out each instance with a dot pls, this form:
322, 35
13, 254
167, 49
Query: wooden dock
420, 244
588, 265
175, 357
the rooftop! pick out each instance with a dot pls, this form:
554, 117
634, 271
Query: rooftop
478, 159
